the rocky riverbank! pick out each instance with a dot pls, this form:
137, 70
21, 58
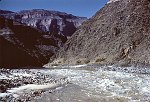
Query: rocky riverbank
24, 85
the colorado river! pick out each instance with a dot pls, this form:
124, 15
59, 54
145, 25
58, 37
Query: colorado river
96, 85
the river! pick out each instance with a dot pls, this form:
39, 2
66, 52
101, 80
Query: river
96, 84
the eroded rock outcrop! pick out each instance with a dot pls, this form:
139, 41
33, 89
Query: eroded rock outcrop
21, 45
30, 37
117, 34
43, 20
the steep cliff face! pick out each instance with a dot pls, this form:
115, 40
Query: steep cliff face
44, 20
30, 37
21, 45
117, 34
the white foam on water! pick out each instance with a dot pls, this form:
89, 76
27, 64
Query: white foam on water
22, 74
113, 83
12, 75
77, 66
59, 88
110, 83
55, 84
32, 87
4, 94
4, 77
15, 91
15, 95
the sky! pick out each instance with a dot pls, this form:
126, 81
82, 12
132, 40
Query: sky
84, 8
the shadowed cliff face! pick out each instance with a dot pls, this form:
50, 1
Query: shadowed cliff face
117, 34
30, 37
44, 19
21, 45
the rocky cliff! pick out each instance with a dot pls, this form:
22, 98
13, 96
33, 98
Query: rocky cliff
30, 37
118, 33
21, 45
46, 20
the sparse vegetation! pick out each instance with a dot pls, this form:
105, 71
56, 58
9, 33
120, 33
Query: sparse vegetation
100, 60
54, 64
78, 62
87, 61
59, 62
82, 61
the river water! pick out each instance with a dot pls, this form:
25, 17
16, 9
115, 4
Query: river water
94, 84
109, 85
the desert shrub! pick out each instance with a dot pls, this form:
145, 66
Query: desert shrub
87, 61
54, 64
100, 59
78, 62
59, 62
82, 61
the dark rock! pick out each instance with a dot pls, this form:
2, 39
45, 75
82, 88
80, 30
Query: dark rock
2, 22
21, 45
9, 23
3, 88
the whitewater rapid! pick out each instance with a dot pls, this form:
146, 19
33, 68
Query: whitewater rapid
97, 82
104, 83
